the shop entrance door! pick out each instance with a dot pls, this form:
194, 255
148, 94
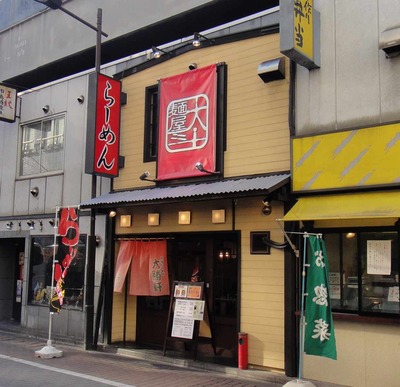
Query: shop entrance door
210, 258
11, 276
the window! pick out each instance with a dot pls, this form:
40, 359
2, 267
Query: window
364, 272
42, 146
41, 270
151, 124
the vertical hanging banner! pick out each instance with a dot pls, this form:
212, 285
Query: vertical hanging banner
187, 123
103, 134
149, 269
319, 337
67, 248
299, 32
8, 102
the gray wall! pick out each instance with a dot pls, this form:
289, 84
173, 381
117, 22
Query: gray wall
56, 34
356, 85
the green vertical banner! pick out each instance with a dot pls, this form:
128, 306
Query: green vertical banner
319, 336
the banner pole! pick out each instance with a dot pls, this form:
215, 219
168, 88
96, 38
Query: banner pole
302, 320
49, 351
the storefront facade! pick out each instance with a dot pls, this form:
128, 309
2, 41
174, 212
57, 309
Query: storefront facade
344, 152
244, 187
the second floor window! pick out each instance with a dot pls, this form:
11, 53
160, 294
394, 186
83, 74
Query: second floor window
42, 146
151, 124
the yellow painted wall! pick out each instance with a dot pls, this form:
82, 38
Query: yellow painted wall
262, 286
257, 142
257, 128
262, 276
368, 356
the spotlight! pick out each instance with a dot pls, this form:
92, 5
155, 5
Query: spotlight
31, 224
35, 191
199, 166
267, 209
145, 175
197, 39
81, 99
113, 213
157, 52
52, 222
9, 225
46, 109
192, 66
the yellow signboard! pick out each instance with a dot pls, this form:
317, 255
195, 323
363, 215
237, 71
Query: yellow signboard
299, 32
349, 159
303, 27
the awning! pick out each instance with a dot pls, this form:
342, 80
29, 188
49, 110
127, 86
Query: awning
384, 206
201, 191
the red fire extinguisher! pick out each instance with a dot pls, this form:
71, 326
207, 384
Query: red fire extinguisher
243, 348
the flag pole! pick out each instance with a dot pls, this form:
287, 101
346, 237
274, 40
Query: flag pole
299, 381
49, 352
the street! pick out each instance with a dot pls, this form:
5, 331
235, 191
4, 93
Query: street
20, 367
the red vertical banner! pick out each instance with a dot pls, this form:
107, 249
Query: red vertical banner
187, 123
107, 127
149, 270
67, 249
127, 250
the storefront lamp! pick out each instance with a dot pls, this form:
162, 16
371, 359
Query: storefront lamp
184, 217
218, 216
153, 219
9, 225
125, 221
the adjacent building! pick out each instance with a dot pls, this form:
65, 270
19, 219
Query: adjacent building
344, 157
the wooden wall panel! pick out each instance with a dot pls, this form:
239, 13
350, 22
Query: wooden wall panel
257, 112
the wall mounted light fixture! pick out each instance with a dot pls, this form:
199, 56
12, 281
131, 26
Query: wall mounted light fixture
9, 225
81, 99
46, 109
218, 216
145, 177
125, 221
153, 219
199, 166
184, 217
52, 222
112, 214
197, 39
31, 224
158, 52
267, 209
34, 192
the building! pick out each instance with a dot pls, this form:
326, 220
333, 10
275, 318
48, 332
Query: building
215, 217
240, 253
344, 175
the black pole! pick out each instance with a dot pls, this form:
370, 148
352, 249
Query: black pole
91, 261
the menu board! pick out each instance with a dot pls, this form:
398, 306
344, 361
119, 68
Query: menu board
188, 308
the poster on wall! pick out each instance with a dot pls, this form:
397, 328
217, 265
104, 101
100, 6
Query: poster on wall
379, 257
187, 129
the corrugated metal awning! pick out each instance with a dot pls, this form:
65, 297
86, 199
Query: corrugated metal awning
200, 191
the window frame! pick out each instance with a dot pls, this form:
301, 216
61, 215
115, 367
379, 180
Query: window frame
361, 285
45, 274
151, 117
42, 144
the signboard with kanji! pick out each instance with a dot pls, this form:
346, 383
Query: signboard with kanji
8, 102
299, 32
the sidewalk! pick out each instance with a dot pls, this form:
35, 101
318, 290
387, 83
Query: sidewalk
155, 356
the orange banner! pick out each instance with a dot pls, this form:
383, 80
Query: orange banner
149, 270
126, 250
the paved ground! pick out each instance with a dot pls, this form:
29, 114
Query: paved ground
139, 368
